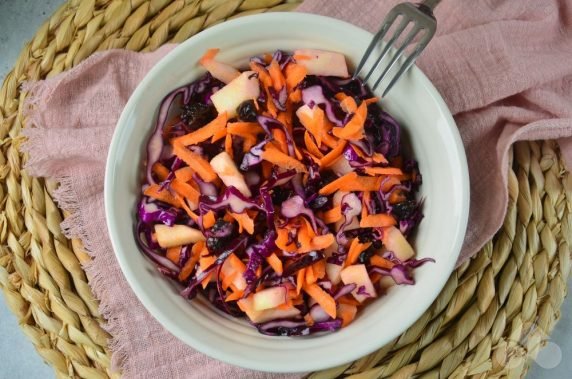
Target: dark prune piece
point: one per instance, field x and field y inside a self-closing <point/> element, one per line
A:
<point x="247" y="111"/>
<point x="196" y="115"/>
<point x="279" y="195"/>
<point x="404" y="210"/>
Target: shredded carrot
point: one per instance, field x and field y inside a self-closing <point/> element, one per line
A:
<point x="275" y="156"/>
<point x="209" y="130"/>
<point x="198" y="163"/>
<point x="236" y="295"/>
<point x="389" y="182"/>
<point x="301" y="57"/>
<point x="184" y="174"/>
<point x="209" y="219"/>
<point x="278" y="80"/>
<point x="311" y="146"/>
<point x="295" y="96"/>
<point x="164" y="195"/>
<point x="204" y="262"/>
<point x="275" y="263"/>
<point x="300" y="277"/>
<point x="173" y="254"/>
<point x="310" y="277"/>
<point x="383" y="171"/>
<point x="377" y="221"/>
<point x="244" y="129"/>
<point x="227" y="280"/>
<point x="185" y="190"/>
<point x="347" y="103"/>
<point x="348" y="300"/>
<point x="326" y="301"/>
<point x="244" y="222"/>
<point x="354" y="129"/>
<point x="352" y="182"/>
<point x="397" y="197"/>
<point x="333" y="155"/>
<point x="189" y="266"/>
<point x="332" y="215"/>
<point x="319" y="269"/>
<point x="356" y="248"/>
<point x="379" y="158"/>
<point x="228" y="145"/>
<point x="280" y="140"/>
<point x="208" y="55"/>
<point x="308" y="319"/>
<point x="282" y="240"/>
<point x="295" y="73"/>
<point x="371" y="100"/>
<point x="378" y="261"/>
<point x="161" y="171"/>
<point x="347" y="313"/>
<point x="364" y="201"/>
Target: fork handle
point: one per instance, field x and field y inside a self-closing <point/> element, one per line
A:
<point x="431" y="4"/>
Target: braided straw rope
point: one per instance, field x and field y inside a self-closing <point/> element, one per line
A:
<point x="495" y="312"/>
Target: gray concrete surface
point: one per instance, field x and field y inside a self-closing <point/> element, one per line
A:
<point x="19" y="19"/>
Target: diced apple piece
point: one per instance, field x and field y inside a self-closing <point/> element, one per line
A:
<point x="228" y="98"/>
<point x="269" y="298"/>
<point x="227" y="171"/>
<point x="333" y="271"/>
<point x="357" y="274"/>
<point x="321" y="62"/>
<point x="341" y="166"/>
<point x="176" y="235"/>
<point x="247" y="306"/>
<point x="396" y="242"/>
<point x="221" y="71"/>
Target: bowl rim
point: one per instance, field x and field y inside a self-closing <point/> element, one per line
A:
<point x="147" y="300"/>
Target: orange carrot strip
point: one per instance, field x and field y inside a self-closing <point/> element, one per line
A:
<point x="310" y="277"/>
<point x="204" y="262"/>
<point x="236" y="295"/>
<point x="278" y="80"/>
<point x="356" y="248"/>
<point x="381" y="220"/>
<point x="323" y="241"/>
<point x="348" y="300"/>
<point x="300" y="277"/>
<point x="275" y="156"/>
<point x="163" y="195"/>
<point x="161" y="171"/>
<point x="352" y="182"/>
<point x="332" y="215"/>
<point x="280" y="140"/>
<point x="333" y="155"/>
<point x="244" y="222"/>
<point x="183" y="204"/>
<point x="275" y="263"/>
<point x="387" y="184"/>
<point x="354" y="128"/>
<point x="212" y="128"/>
<point x="184" y="174"/>
<point x="347" y="313"/>
<point x="189" y="266"/>
<point x="282" y="240"/>
<point x="195" y="161"/>
<point x="365" y="199"/>
<point x="295" y="96"/>
<point x="209" y="219"/>
<point x="397" y="197"/>
<point x="379" y="158"/>
<point x="311" y="146"/>
<point x="227" y="280"/>
<point x="208" y="55"/>
<point x="301" y="57"/>
<point x="228" y="145"/>
<point x="295" y="73"/>
<point x="173" y="254"/>
<point x="326" y="301"/>
<point x="218" y="135"/>
<point x="378" y="261"/>
<point x="383" y="171"/>
<point x="263" y="75"/>
<point x="308" y="319"/>
<point x="371" y="100"/>
<point x="319" y="269"/>
<point x="347" y="103"/>
<point x="314" y="123"/>
<point x="244" y="129"/>
<point x="185" y="190"/>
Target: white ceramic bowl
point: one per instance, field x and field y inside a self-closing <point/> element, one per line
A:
<point x="434" y="140"/>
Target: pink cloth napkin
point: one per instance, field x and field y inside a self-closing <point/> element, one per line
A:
<point x="503" y="68"/>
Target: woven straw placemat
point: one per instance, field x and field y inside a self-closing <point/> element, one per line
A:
<point x="491" y="318"/>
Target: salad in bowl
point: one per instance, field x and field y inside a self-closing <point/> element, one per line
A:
<point x="281" y="192"/>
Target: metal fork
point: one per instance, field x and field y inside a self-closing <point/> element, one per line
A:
<point x="422" y="19"/>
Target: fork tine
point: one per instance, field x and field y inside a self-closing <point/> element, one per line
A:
<point x="378" y="36"/>
<point x="397" y="55"/>
<point x="388" y="45"/>
<point x="403" y="69"/>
